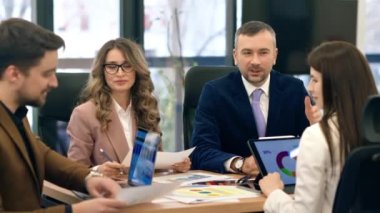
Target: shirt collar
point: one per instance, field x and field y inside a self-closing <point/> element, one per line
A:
<point x="20" y="112"/>
<point x="250" y="88"/>
<point x="119" y="109"/>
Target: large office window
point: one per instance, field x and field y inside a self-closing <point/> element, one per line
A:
<point x="16" y="9"/>
<point x="86" y="25"/>
<point x="178" y="35"/>
<point x="372" y="36"/>
<point x="185" y="28"/>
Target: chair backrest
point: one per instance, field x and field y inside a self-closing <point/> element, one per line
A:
<point x="359" y="183"/>
<point x="371" y="120"/>
<point x="54" y="115"/>
<point x="195" y="78"/>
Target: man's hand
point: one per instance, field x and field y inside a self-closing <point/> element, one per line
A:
<point x="102" y="187"/>
<point x="250" y="166"/>
<point x="270" y="183"/>
<point x="313" y="113"/>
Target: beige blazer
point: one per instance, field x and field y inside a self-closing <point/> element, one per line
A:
<point x="20" y="181"/>
<point x="87" y="137"/>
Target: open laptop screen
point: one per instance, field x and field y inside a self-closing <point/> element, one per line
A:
<point x="273" y="155"/>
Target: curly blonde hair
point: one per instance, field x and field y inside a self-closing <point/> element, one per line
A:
<point x="144" y="104"/>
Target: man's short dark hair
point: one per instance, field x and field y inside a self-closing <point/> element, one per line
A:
<point x="23" y="43"/>
<point x="251" y="28"/>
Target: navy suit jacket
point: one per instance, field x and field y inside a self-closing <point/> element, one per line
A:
<point x="224" y="120"/>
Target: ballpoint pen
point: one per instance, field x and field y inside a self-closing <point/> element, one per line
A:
<point x="104" y="153"/>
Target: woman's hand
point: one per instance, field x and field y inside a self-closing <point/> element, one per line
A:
<point x="183" y="166"/>
<point x="313" y="113"/>
<point x="270" y="183"/>
<point x="111" y="169"/>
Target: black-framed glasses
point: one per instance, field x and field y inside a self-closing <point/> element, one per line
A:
<point x="114" y="68"/>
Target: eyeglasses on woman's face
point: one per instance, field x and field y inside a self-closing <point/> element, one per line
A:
<point x="112" y="69"/>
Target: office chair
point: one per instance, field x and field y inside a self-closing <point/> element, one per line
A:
<point x="359" y="184"/>
<point x="371" y="120"/>
<point x="54" y="115"/>
<point x="195" y="78"/>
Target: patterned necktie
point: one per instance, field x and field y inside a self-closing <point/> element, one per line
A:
<point x="259" y="116"/>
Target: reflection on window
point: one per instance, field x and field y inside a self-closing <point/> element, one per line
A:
<point x="86" y="25"/>
<point x="372" y="34"/>
<point x="186" y="28"/>
<point x="178" y="34"/>
<point x="16" y="9"/>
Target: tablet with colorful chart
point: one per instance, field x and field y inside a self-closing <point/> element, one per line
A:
<point x="273" y="155"/>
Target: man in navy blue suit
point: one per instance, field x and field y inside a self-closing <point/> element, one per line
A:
<point x="224" y="120"/>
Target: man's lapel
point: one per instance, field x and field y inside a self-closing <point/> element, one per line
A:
<point x="16" y="138"/>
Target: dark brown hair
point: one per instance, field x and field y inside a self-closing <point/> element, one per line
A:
<point x="347" y="82"/>
<point x="251" y="28"/>
<point x="23" y="44"/>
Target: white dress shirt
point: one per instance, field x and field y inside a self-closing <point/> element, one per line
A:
<point x="264" y="99"/>
<point x="125" y="117"/>
<point x="264" y="106"/>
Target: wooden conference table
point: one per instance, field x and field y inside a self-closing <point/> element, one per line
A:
<point x="242" y="205"/>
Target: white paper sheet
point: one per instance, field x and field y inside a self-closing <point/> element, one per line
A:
<point x="164" y="160"/>
<point x="143" y="194"/>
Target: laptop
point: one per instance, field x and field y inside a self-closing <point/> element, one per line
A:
<point x="277" y="155"/>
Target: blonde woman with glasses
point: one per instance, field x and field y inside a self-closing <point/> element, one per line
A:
<point x="116" y="101"/>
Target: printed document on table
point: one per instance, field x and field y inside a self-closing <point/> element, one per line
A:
<point x="202" y="194"/>
<point x="189" y="178"/>
<point x="164" y="160"/>
<point x="144" y="194"/>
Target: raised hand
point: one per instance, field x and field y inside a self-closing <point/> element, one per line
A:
<point x="313" y="113"/>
